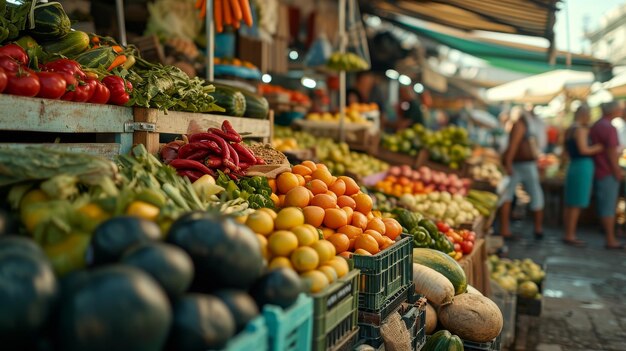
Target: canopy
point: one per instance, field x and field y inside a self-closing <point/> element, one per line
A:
<point x="527" y="17"/>
<point x="617" y="85"/>
<point x="542" y="88"/>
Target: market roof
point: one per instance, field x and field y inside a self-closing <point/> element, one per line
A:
<point x="526" y="17"/>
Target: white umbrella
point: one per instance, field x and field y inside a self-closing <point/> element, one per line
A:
<point x="542" y="88"/>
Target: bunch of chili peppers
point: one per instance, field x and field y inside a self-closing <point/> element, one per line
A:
<point x="204" y="153"/>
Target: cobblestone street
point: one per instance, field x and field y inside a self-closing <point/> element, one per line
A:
<point x="584" y="305"/>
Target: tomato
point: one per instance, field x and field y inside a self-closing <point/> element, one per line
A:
<point x="15" y="52"/>
<point x="24" y="82"/>
<point x="467" y="247"/>
<point x="101" y="94"/>
<point x="9" y="64"/>
<point x="443" y="227"/>
<point x="471" y="236"/>
<point x="84" y="91"/>
<point x="3" y="80"/>
<point x="65" y="65"/>
<point x="457" y="247"/>
<point x="52" y="85"/>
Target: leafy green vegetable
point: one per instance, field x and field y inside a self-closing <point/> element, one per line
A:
<point x="14" y="18"/>
<point x="255" y="190"/>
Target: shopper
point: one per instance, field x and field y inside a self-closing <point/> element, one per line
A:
<point x="579" y="179"/>
<point x="607" y="174"/>
<point x="520" y="162"/>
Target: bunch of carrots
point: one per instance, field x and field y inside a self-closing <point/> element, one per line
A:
<point x="227" y="12"/>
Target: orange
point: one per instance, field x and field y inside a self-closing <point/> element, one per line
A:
<point x="301" y="180"/>
<point x="281" y="200"/>
<point x="387" y="242"/>
<point x="351" y="247"/>
<point x="325" y="250"/>
<point x="362" y="252"/>
<point x="323" y="175"/>
<point x="316" y="281"/>
<point x="272" y="183"/>
<point x="346" y="254"/>
<point x="321" y="166"/>
<point x="298" y="197"/>
<point x="263" y="243"/>
<point x="324" y="201"/>
<point x="301" y="170"/>
<point x="279" y="262"/>
<point x="307" y="178"/>
<point x="310" y="165"/>
<point x="392" y="228"/>
<point x="313" y="215"/>
<point x="335" y="218"/>
<point x="330" y="273"/>
<point x="349" y="212"/>
<point x="275" y="199"/>
<point x="377" y="214"/>
<point x="317" y="186"/>
<point x="269" y="211"/>
<point x="376" y="235"/>
<point x="363" y="203"/>
<point x="304" y="259"/>
<point x="346" y="201"/>
<point x="340" y="265"/>
<point x="286" y="181"/>
<point x="338" y="187"/>
<point x="331" y="194"/>
<point x="289" y="217"/>
<point x="340" y="241"/>
<point x="306" y="235"/>
<point x="351" y="186"/>
<point x="377" y="225"/>
<point x="359" y="220"/>
<point x="327" y="232"/>
<point x="260" y="222"/>
<point x="367" y="243"/>
<point x="369" y="216"/>
<point x="282" y="243"/>
<point x="351" y="231"/>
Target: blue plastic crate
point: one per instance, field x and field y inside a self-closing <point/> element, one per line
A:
<point x="253" y="337"/>
<point x="290" y="329"/>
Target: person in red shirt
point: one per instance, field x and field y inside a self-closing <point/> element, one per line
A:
<point x="607" y="174"/>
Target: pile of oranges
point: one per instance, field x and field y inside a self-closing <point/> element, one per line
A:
<point x="337" y="206"/>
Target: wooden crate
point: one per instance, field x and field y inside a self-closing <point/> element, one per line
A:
<point x="153" y="123"/>
<point x="82" y="127"/>
<point x="398" y="159"/>
<point x="359" y="137"/>
<point x="475" y="267"/>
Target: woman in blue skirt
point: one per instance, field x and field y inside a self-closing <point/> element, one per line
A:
<point x="579" y="179"/>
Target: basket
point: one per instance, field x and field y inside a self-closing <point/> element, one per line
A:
<point x="290" y="329"/>
<point x="335" y="313"/>
<point x="253" y="337"/>
<point x="384" y="274"/>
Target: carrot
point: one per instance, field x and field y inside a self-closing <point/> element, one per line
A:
<point x="203" y="10"/>
<point x="245" y="11"/>
<point x="218" y="15"/>
<point x="95" y="40"/>
<point x="199" y="3"/>
<point x="228" y="16"/>
<point x="118" y="49"/>
<point x="234" y="5"/>
<point x="119" y="60"/>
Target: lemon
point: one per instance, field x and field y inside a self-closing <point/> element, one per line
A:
<point x="269" y="211"/>
<point x="288" y="218"/>
<point x="260" y="222"/>
<point x="282" y="243"/>
<point x="325" y="250"/>
<point x="306" y="236"/>
<point x="263" y="243"/>
<point x="340" y="265"/>
<point x="315" y="280"/>
<point x="304" y="259"/>
<point x="279" y="262"/>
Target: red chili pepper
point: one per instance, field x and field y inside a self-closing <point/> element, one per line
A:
<point x="244" y="165"/>
<point x="199" y="137"/>
<point x="260" y="161"/>
<point x="169" y="151"/>
<point x="190" y="164"/>
<point x="213" y="161"/>
<point x="224" y="135"/>
<point x="118" y="88"/>
<point x="206" y="146"/>
<point x="245" y="154"/>
<point x="198" y="155"/>
<point x="233" y="154"/>
<point x="16" y="52"/>
<point x="65" y="65"/>
<point x="223" y="145"/>
<point x="228" y="129"/>
<point x="192" y="175"/>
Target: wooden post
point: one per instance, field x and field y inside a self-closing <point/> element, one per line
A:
<point x="149" y="139"/>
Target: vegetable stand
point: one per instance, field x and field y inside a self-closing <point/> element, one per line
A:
<point x="475" y="267"/>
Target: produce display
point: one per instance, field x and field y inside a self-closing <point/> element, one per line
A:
<point x="451" y="209"/>
<point x="449" y="146"/>
<point x="484" y="202"/>
<point x="424" y="231"/>
<point x="463" y="239"/>
<point x="348" y="62"/>
<point x="351" y="116"/>
<point x="229" y="61"/>
<point x="269" y="90"/>
<point x="227" y="13"/>
<point x="404" y="180"/>
<point x="488" y="172"/>
<point x="362" y="107"/>
<point x="517" y="276"/>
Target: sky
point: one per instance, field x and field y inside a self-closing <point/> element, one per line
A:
<point x="578" y="9"/>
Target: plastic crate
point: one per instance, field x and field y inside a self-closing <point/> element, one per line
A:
<point x="253" y="337"/>
<point x="335" y="312"/>
<point x="391" y="306"/>
<point x="414" y="318"/>
<point x="493" y="345"/>
<point x="290" y="329"/>
<point x="384" y="274"/>
<point x="507" y="302"/>
<point x="528" y="307"/>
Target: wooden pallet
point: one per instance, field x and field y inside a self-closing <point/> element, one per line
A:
<point x="152" y="123"/>
<point x="82" y="127"/>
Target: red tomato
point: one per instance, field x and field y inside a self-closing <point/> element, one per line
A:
<point x="52" y="85"/>
<point x="467" y="247"/>
<point x="3" y="80"/>
<point x="84" y="91"/>
<point x="457" y="247"/>
<point x="471" y="236"/>
<point x="9" y="64"/>
<point x="65" y="65"/>
<point x="101" y="94"/>
<point x="15" y="52"/>
<point x="24" y="82"/>
<point x="443" y="227"/>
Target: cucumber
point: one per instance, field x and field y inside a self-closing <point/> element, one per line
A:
<point x="230" y="99"/>
<point x="51" y="22"/>
<point x="443" y="264"/>
<point x="72" y="44"/>
<point x="256" y="105"/>
<point x="94" y="58"/>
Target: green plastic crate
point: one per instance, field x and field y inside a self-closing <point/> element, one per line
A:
<point x="290" y="329"/>
<point x="384" y="274"/>
<point x="335" y="312"/>
<point x="413" y="316"/>
<point x="253" y="337"/>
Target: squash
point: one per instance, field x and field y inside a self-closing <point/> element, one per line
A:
<point x="51" y="22"/>
<point x="256" y="105"/>
<point x="443" y="340"/>
<point x="472" y="317"/>
<point x="443" y="264"/>
<point x="431" y="319"/>
<point x="432" y="284"/>
<point x="473" y="290"/>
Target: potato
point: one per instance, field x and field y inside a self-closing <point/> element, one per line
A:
<point x="472" y="317"/>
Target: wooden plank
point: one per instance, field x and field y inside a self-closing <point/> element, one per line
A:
<point x="148" y="139"/>
<point x="106" y="150"/>
<point x="45" y="115"/>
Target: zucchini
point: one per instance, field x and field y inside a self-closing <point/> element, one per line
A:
<point x="443" y="264"/>
<point x="230" y="99"/>
<point x="256" y="106"/>
<point x="51" y="22"/>
<point x="72" y="44"/>
<point x="94" y="58"/>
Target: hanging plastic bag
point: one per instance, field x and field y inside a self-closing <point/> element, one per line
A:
<point x="356" y="56"/>
<point x="320" y="52"/>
